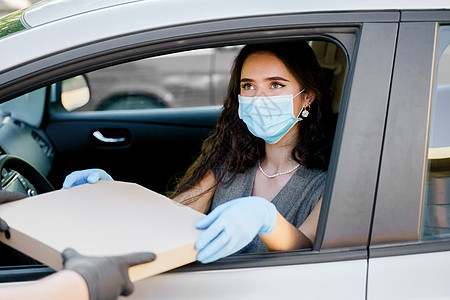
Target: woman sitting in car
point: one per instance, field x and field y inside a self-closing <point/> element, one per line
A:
<point x="261" y="175"/>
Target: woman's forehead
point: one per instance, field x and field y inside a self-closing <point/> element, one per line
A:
<point x="263" y="66"/>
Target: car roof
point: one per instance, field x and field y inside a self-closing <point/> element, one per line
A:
<point x="52" y="10"/>
<point x="58" y="25"/>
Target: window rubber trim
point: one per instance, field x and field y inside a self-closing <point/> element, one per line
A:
<point x="421" y="247"/>
<point x="277" y="259"/>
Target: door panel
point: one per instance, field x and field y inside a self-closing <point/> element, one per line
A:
<point x="418" y="276"/>
<point x="401" y="182"/>
<point x="334" y="280"/>
<point x="354" y="167"/>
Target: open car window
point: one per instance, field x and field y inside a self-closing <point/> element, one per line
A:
<point x="186" y="79"/>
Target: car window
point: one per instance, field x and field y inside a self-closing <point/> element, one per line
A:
<point x="184" y="79"/>
<point x="202" y="82"/>
<point x="436" y="217"/>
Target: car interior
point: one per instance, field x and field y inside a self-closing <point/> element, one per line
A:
<point x="142" y="121"/>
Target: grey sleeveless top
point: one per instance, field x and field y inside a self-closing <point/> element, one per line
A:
<point x="295" y="201"/>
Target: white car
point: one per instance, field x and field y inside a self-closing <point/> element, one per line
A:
<point x="384" y="229"/>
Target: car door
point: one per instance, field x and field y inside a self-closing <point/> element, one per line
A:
<point x="409" y="256"/>
<point x="336" y="267"/>
<point x="339" y="258"/>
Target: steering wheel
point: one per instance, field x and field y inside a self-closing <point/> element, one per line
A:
<point x="19" y="176"/>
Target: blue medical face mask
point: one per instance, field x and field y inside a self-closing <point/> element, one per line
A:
<point x="268" y="117"/>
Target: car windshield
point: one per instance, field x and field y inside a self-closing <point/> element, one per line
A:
<point x="11" y="23"/>
<point x="28" y="108"/>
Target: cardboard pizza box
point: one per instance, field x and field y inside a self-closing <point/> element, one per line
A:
<point x="102" y="219"/>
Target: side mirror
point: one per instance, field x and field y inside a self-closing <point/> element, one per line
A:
<point x="75" y="92"/>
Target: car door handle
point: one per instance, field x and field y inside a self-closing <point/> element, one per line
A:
<point x="100" y="137"/>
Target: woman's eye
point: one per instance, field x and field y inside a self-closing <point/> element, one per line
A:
<point x="277" y="85"/>
<point x="246" y="86"/>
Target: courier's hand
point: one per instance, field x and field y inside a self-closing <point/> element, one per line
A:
<point x="106" y="277"/>
<point x="85" y="176"/>
<point x="3" y="225"/>
<point x="232" y="225"/>
<point x="7" y="196"/>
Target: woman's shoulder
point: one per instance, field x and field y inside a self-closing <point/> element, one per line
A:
<point x="310" y="180"/>
<point x="310" y="174"/>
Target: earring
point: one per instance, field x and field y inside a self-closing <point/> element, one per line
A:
<point x="304" y="112"/>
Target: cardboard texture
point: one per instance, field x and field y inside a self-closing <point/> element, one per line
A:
<point x="102" y="219"/>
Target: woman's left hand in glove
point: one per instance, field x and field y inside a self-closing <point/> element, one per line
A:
<point x="232" y="225"/>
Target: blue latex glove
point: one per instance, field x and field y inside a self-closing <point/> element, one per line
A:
<point x="232" y="225"/>
<point x="85" y="176"/>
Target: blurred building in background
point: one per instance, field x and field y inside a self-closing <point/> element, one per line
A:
<point x="8" y="6"/>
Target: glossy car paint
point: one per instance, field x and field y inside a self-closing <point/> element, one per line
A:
<point x="415" y="276"/>
<point x="113" y="19"/>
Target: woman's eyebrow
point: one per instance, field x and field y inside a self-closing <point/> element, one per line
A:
<point x="277" y="78"/>
<point x="267" y="79"/>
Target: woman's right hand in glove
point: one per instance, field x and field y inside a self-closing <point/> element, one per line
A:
<point x="85" y="176"/>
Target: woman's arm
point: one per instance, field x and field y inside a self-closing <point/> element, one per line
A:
<point x="204" y="190"/>
<point x="65" y="284"/>
<point x="285" y="236"/>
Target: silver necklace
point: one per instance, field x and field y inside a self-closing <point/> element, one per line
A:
<point x="277" y="174"/>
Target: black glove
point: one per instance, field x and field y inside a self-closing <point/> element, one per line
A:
<point x="7" y="196"/>
<point x="106" y="277"/>
<point x="3" y="225"/>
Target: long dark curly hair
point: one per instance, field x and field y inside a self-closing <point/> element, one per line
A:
<point x="233" y="149"/>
